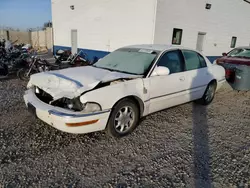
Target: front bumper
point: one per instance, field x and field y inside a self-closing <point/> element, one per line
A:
<point x="59" y="117"/>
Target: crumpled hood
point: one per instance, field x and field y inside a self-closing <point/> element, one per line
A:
<point x="72" y="82"/>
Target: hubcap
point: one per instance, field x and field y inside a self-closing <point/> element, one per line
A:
<point x="124" y="119"/>
<point x="210" y="93"/>
<point x="26" y="74"/>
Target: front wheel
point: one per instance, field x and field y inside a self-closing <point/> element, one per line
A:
<point x="209" y="94"/>
<point x="123" y="119"/>
<point x="23" y="74"/>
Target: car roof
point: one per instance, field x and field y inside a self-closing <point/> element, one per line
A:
<point x="246" y="47"/>
<point x="157" y="47"/>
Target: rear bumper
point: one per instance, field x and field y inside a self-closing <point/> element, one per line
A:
<point x="220" y="83"/>
<point x="59" y="118"/>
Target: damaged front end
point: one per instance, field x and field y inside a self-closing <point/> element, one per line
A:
<point x="64" y="88"/>
<point x="75" y="103"/>
<point x="66" y="103"/>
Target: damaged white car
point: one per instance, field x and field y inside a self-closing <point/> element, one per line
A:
<point x="124" y="86"/>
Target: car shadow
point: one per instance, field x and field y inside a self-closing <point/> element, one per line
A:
<point x="9" y="77"/>
<point x="200" y="138"/>
<point x="201" y="150"/>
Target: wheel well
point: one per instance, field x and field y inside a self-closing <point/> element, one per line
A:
<point x="213" y="81"/>
<point x="137" y="101"/>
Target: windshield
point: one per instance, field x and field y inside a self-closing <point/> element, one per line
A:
<point x="240" y="52"/>
<point x="131" y="61"/>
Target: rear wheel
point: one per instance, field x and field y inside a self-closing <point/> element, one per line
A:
<point x="4" y="70"/>
<point x="123" y="119"/>
<point x="209" y="94"/>
<point x="23" y="74"/>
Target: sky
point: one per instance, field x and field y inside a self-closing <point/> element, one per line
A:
<point x="24" y="14"/>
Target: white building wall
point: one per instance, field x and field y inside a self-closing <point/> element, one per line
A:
<point x="104" y="24"/>
<point x="225" y="19"/>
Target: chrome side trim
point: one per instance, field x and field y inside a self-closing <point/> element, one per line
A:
<point x="62" y="114"/>
<point x="223" y="80"/>
<point x="160" y="96"/>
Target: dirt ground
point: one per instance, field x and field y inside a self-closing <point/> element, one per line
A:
<point x="185" y="146"/>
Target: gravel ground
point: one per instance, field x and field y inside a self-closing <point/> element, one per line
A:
<point x="185" y="146"/>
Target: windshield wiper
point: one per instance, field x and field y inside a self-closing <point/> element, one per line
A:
<point x="242" y="57"/>
<point x="113" y="70"/>
<point x="245" y="57"/>
<point x="126" y="72"/>
<point x="103" y="68"/>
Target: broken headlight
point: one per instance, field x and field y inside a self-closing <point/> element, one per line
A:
<point x="91" y="107"/>
<point x="88" y="107"/>
<point x="76" y="105"/>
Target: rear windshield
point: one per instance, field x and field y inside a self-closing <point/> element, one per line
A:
<point x="240" y="52"/>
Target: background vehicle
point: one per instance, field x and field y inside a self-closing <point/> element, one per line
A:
<point x="237" y="56"/>
<point x="63" y="57"/>
<point x="41" y="65"/>
<point x="135" y="80"/>
<point x="12" y="62"/>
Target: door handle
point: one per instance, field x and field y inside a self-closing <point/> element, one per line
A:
<point x="182" y="78"/>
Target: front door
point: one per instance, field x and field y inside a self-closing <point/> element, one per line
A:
<point x="200" y="41"/>
<point x="169" y="90"/>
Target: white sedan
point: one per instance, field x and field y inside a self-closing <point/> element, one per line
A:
<point x="124" y="86"/>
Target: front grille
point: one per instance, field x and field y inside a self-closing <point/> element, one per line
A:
<point x="47" y="98"/>
<point x="62" y="103"/>
<point x="43" y="96"/>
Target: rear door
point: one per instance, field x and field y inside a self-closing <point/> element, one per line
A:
<point x="197" y="72"/>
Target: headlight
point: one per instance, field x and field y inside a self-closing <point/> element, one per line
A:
<point x="76" y="105"/>
<point x="91" y="107"/>
<point x="37" y="90"/>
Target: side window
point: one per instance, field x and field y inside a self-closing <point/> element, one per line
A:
<point x="202" y="61"/>
<point x="193" y="60"/>
<point x="172" y="60"/>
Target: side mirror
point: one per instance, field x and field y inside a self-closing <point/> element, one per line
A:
<point x="161" y="71"/>
<point x="224" y="54"/>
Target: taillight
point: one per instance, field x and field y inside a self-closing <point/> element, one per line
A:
<point x="218" y="62"/>
<point x="228" y="73"/>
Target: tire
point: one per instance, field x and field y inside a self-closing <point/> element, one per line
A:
<point x="121" y="123"/>
<point x="22" y="74"/>
<point x="209" y="94"/>
<point x="4" y="70"/>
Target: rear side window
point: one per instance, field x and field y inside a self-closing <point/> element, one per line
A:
<point x="202" y="61"/>
<point x="193" y="60"/>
